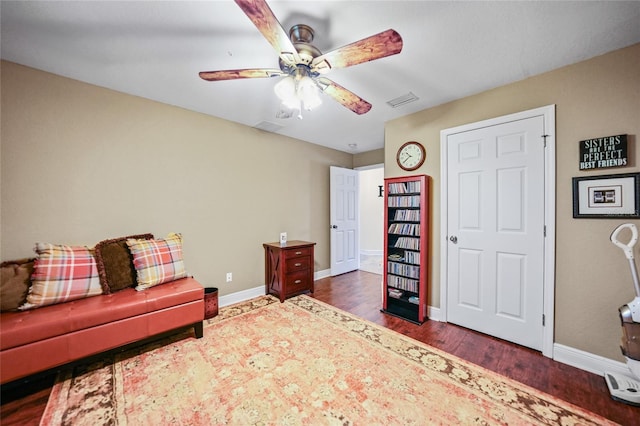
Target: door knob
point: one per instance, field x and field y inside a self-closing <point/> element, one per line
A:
<point x="334" y="226"/>
<point x="453" y="239"/>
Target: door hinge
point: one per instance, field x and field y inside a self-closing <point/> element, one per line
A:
<point x="543" y="320"/>
<point x="544" y="138"/>
<point x="544" y="230"/>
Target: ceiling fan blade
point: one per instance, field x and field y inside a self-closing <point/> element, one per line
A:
<point x="263" y="18"/>
<point x="346" y="97"/>
<point x="377" y="46"/>
<point x="237" y="74"/>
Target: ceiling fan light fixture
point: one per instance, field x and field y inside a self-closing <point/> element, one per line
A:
<point x="285" y="89"/>
<point x="298" y="92"/>
<point x="308" y="93"/>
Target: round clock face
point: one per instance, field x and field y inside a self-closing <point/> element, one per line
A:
<point x="411" y="155"/>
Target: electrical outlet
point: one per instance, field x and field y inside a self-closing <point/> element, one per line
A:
<point x="229" y="277"/>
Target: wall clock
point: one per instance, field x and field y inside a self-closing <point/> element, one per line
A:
<point x="411" y="155"/>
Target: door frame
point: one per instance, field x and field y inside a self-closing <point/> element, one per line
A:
<point x="362" y="169"/>
<point x="548" y="113"/>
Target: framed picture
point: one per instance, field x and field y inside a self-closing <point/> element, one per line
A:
<point x="609" y="196"/>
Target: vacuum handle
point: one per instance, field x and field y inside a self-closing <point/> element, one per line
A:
<point x="627" y="248"/>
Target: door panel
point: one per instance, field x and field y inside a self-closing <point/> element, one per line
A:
<point x="469" y="290"/>
<point x="469" y="206"/>
<point x="510" y="285"/>
<point x="495" y="210"/>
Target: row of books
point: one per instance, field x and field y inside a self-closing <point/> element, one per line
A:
<point x="405" y="229"/>
<point x="408" y="243"/>
<point x="407" y="215"/>
<point x="403" y="269"/>
<point x="412" y="257"/>
<point x="404" y="188"/>
<point x="407" y="284"/>
<point x="404" y="201"/>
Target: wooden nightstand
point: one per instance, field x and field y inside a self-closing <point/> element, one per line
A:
<point x="288" y="269"/>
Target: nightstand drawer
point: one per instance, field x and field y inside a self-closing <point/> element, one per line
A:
<point x="297" y="281"/>
<point x="298" y="252"/>
<point x="297" y="264"/>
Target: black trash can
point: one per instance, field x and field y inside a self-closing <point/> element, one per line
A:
<point x="210" y="302"/>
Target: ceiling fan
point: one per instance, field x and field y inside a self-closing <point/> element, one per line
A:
<point x="303" y="66"/>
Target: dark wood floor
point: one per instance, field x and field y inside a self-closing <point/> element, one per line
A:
<point x="360" y="293"/>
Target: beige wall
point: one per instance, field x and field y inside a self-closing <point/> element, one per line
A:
<point x="598" y="97"/>
<point x="81" y="164"/>
<point x="368" y="158"/>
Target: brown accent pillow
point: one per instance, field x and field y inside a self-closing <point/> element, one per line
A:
<point x="115" y="263"/>
<point x="15" y="279"/>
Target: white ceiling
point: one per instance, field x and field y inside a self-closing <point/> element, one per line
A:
<point x="451" y="50"/>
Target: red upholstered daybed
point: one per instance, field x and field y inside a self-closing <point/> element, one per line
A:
<point x="71" y="301"/>
<point x="36" y="340"/>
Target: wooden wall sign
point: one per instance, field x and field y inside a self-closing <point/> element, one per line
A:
<point x="601" y="153"/>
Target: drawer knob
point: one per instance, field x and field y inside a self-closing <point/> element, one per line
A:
<point x="298" y="253"/>
<point x="297" y="281"/>
<point x="298" y="264"/>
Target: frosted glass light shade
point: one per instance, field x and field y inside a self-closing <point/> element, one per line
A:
<point x="308" y="93"/>
<point x="286" y="91"/>
<point x="297" y="92"/>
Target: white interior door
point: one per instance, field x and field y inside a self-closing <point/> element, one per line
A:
<point x="495" y="230"/>
<point x="344" y="219"/>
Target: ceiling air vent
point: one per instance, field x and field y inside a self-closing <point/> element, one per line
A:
<point x="402" y="100"/>
<point x="268" y="127"/>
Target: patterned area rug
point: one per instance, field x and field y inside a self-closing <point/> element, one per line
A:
<point x="301" y="362"/>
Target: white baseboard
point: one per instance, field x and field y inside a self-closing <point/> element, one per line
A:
<point x="240" y="296"/>
<point x="371" y="252"/>
<point x="433" y="313"/>
<point x="321" y="274"/>
<point x="587" y="361"/>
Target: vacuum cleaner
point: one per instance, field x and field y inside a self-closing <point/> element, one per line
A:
<point x="626" y="388"/>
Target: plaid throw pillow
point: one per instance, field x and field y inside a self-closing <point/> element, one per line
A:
<point x="61" y="274"/>
<point x="157" y="261"/>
